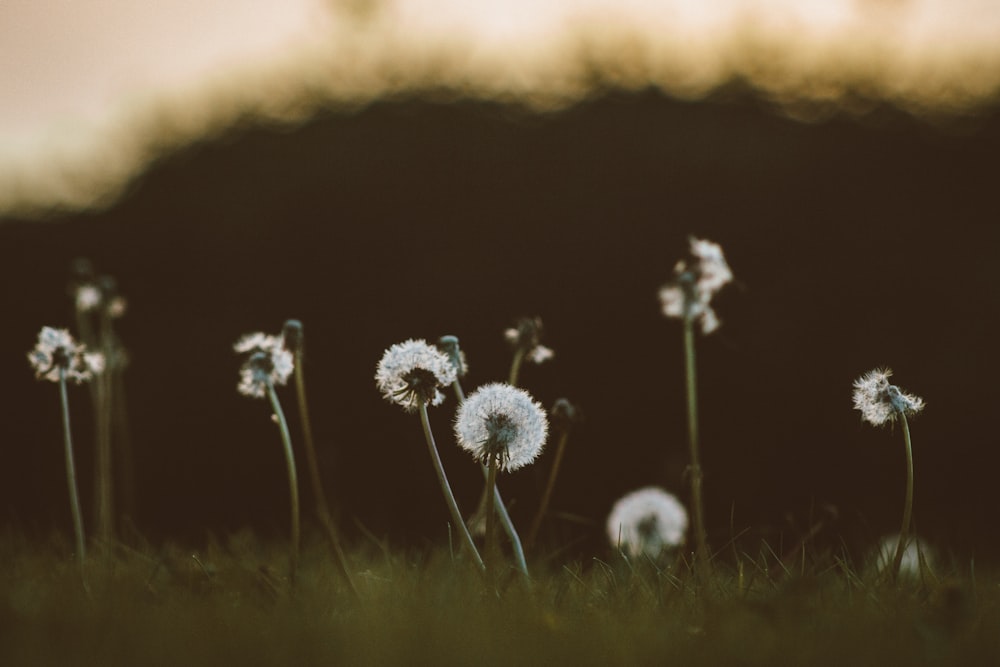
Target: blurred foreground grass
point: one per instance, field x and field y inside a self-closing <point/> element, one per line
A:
<point x="230" y="604"/>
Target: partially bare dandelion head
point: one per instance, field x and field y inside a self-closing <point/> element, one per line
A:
<point x="293" y="336"/>
<point x="564" y="415"/>
<point x="269" y="362"/>
<point x="502" y="423"/>
<point x="696" y="281"/>
<point x="526" y="335"/>
<point x="450" y="346"/>
<point x="411" y="373"/>
<point x="647" y="522"/>
<point x="881" y="402"/>
<point x="56" y="353"/>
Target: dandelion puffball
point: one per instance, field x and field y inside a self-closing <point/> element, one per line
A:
<point x="881" y="402"/>
<point x="502" y="422"/>
<point x="412" y="372"/>
<point x="690" y="295"/>
<point x="56" y="350"/>
<point x="647" y="521"/>
<point x="269" y="362"/>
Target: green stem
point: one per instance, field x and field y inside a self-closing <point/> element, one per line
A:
<point x="515" y="366"/>
<point x="293" y="482"/>
<point x="701" y="539"/>
<point x="904" y="532"/>
<point x="103" y="468"/>
<point x="543" y="506"/>
<point x="322" y="508"/>
<point x="491" y="517"/>
<point x="456" y="515"/>
<point x="74" y="497"/>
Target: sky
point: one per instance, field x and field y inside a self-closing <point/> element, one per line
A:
<point x="105" y="82"/>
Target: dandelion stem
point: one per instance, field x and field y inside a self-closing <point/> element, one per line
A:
<point x="491" y="517"/>
<point x="515" y="366"/>
<point x="543" y="506"/>
<point x="456" y="515"/>
<point x="74" y="497"/>
<point x="293" y="482"/>
<point x="103" y="465"/>
<point x="701" y="540"/>
<point x="904" y="532"/>
<point x="322" y="508"/>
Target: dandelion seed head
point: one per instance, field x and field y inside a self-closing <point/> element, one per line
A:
<point x="647" y="522"/>
<point x="881" y="402"/>
<point x="499" y="421"/>
<point x="56" y="350"/>
<point x="268" y="362"/>
<point x="696" y="282"/>
<point x="412" y="372"/>
<point x="88" y="298"/>
<point x="884" y="554"/>
<point x="450" y="346"/>
<point x="526" y="336"/>
<point x="564" y="415"/>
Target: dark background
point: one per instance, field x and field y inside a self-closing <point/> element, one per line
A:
<point x="856" y="243"/>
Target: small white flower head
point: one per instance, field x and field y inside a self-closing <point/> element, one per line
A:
<point x="697" y="281"/>
<point x="268" y="362"/>
<point x="88" y="297"/>
<point x="56" y="350"/>
<point x="449" y="345"/>
<point x="915" y="549"/>
<point x="412" y="372"/>
<point x="501" y="422"/>
<point x="881" y="402"/>
<point x="526" y="335"/>
<point x="648" y="521"/>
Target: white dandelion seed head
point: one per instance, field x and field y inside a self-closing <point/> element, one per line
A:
<point x="268" y="362"/>
<point x="412" y="372"/>
<point x="526" y="336"/>
<point x="884" y="554"/>
<point x="690" y="295"/>
<point x="647" y="521"/>
<point x="88" y="297"/>
<point x="881" y="402"/>
<point x="502" y="421"/>
<point x="117" y="307"/>
<point x="56" y="350"/>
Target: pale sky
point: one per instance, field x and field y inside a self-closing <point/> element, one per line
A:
<point x="79" y="76"/>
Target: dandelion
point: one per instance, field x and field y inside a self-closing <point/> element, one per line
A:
<point x="697" y="281"/>
<point x="505" y="429"/>
<point x="525" y="337"/>
<point x="270" y="364"/>
<point x="915" y="552"/>
<point x="411" y="374"/>
<point x="57" y="357"/>
<point x="689" y="298"/>
<point x="881" y="402"/>
<point x="647" y="522"/>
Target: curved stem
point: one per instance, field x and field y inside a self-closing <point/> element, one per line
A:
<point x="543" y="506"/>
<point x="322" y="508"/>
<point x="904" y="532"/>
<point x="293" y="482"/>
<point x="74" y="497"/>
<point x="515" y="366"/>
<point x="701" y="539"/>
<point x="456" y="515"/>
<point x="491" y="517"/>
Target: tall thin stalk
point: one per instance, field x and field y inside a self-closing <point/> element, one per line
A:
<point x="904" y="531"/>
<point x="543" y="506"/>
<point x="701" y="540"/>
<point x="74" y="496"/>
<point x="456" y="514"/>
<point x="293" y="482"/>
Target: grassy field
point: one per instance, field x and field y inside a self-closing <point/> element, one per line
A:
<point x="231" y="603"/>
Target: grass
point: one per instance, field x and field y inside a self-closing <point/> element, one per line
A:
<point x="230" y="602"/>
